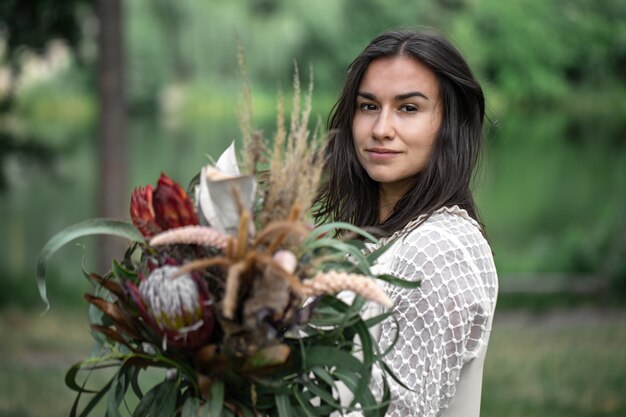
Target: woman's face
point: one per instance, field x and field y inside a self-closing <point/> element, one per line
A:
<point x="398" y="115"/>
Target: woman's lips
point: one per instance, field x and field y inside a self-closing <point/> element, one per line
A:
<point x="380" y="153"/>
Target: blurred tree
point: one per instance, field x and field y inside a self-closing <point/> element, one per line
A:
<point x="537" y="52"/>
<point x="28" y="26"/>
<point x="112" y="142"/>
<point x="172" y="17"/>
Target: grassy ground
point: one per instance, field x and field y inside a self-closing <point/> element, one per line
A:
<point x="565" y="363"/>
<point x="569" y="363"/>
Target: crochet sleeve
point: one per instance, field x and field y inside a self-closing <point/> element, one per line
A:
<point x="444" y="323"/>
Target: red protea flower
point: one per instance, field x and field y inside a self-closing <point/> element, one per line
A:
<point x="172" y="206"/>
<point x="176" y="307"/>
<point x="167" y="207"/>
<point x="142" y="211"/>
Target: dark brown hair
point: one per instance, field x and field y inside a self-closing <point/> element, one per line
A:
<point x="347" y="193"/>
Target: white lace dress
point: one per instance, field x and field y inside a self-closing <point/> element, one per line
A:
<point x="444" y="324"/>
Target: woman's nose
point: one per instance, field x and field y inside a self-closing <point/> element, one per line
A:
<point x="383" y="129"/>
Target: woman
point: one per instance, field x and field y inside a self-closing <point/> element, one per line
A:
<point x="405" y="137"/>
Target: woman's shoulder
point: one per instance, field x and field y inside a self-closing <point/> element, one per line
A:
<point x="447" y="221"/>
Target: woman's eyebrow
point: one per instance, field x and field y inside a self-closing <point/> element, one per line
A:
<point x="368" y="96"/>
<point x="411" y="94"/>
<point x="404" y="96"/>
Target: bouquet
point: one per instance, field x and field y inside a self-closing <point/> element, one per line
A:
<point x="230" y="291"/>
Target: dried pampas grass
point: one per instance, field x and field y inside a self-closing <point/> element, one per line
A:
<point x="295" y="161"/>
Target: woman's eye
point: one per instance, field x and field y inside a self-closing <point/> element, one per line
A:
<point x="408" y="108"/>
<point x="367" y="107"/>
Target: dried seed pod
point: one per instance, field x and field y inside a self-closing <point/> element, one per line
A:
<point x="199" y="235"/>
<point x="333" y="282"/>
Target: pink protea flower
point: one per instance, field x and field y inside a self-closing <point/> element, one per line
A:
<point x="177" y="307"/>
<point x="167" y="207"/>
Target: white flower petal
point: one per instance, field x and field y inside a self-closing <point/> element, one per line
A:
<point x="227" y="162"/>
<point x="217" y="203"/>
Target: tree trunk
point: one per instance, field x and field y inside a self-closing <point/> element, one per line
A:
<point x="112" y="149"/>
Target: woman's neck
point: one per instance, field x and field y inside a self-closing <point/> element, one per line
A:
<point x="388" y="196"/>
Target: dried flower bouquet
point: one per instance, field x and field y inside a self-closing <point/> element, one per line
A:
<point x="231" y="291"/>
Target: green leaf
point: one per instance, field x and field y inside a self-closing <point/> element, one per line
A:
<point x="93" y="402"/>
<point x="134" y="382"/>
<point x="393" y="376"/>
<point x="399" y="282"/>
<point x="323" y="394"/>
<point x="377" y="253"/>
<point x="349" y="378"/>
<point x="116" y="395"/>
<point x="123" y="273"/>
<point x="217" y="398"/>
<point x="373" y="321"/>
<point x="283" y="406"/>
<point x="305" y="405"/>
<point x="70" y="379"/>
<point x="332" y="311"/>
<point x="191" y="407"/>
<point x="327" y="356"/>
<point x="366" y="399"/>
<point x="159" y="401"/>
<point x="144" y="406"/>
<point x="323" y="375"/>
<point x="86" y="228"/>
<point x="361" y="262"/>
<point x="328" y="227"/>
<point x="367" y="349"/>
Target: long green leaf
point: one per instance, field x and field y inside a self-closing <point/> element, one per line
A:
<point x="191" y="407"/>
<point x="393" y="376"/>
<point x="367" y="349"/>
<point x="217" y="398"/>
<point x="323" y="375"/>
<point x="159" y="401"/>
<point x="305" y="405"/>
<point x="377" y="253"/>
<point x="373" y="321"/>
<point x="93" y="402"/>
<point x="117" y="393"/>
<point x="144" y="406"/>
<point x="86" y="228"/>
<point x="399" y="282"/>
<point x="361" y="261"/>
<point x="283" y="406"/>
<point x="70" y="379"/>
<point x="330" y="356"/>
<point x="324" y="395"/>
<point x="321" y="230"/>
<point x="134" y="382"/>
<point x="122" y="272"/>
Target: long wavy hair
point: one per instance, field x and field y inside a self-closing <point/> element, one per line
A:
<point x="347" y="193"/>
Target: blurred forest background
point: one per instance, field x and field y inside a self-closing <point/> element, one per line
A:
<point x="97" y="97"/>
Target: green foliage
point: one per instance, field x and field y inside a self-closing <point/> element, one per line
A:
<point x="31" y="24"/>
<point x="537" y="51"/>
<point x="58" y="113"/>
<point x="320" y="358"/>
<point x="85" y="228"/>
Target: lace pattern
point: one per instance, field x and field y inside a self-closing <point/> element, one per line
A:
<point x="444" y="323"/>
